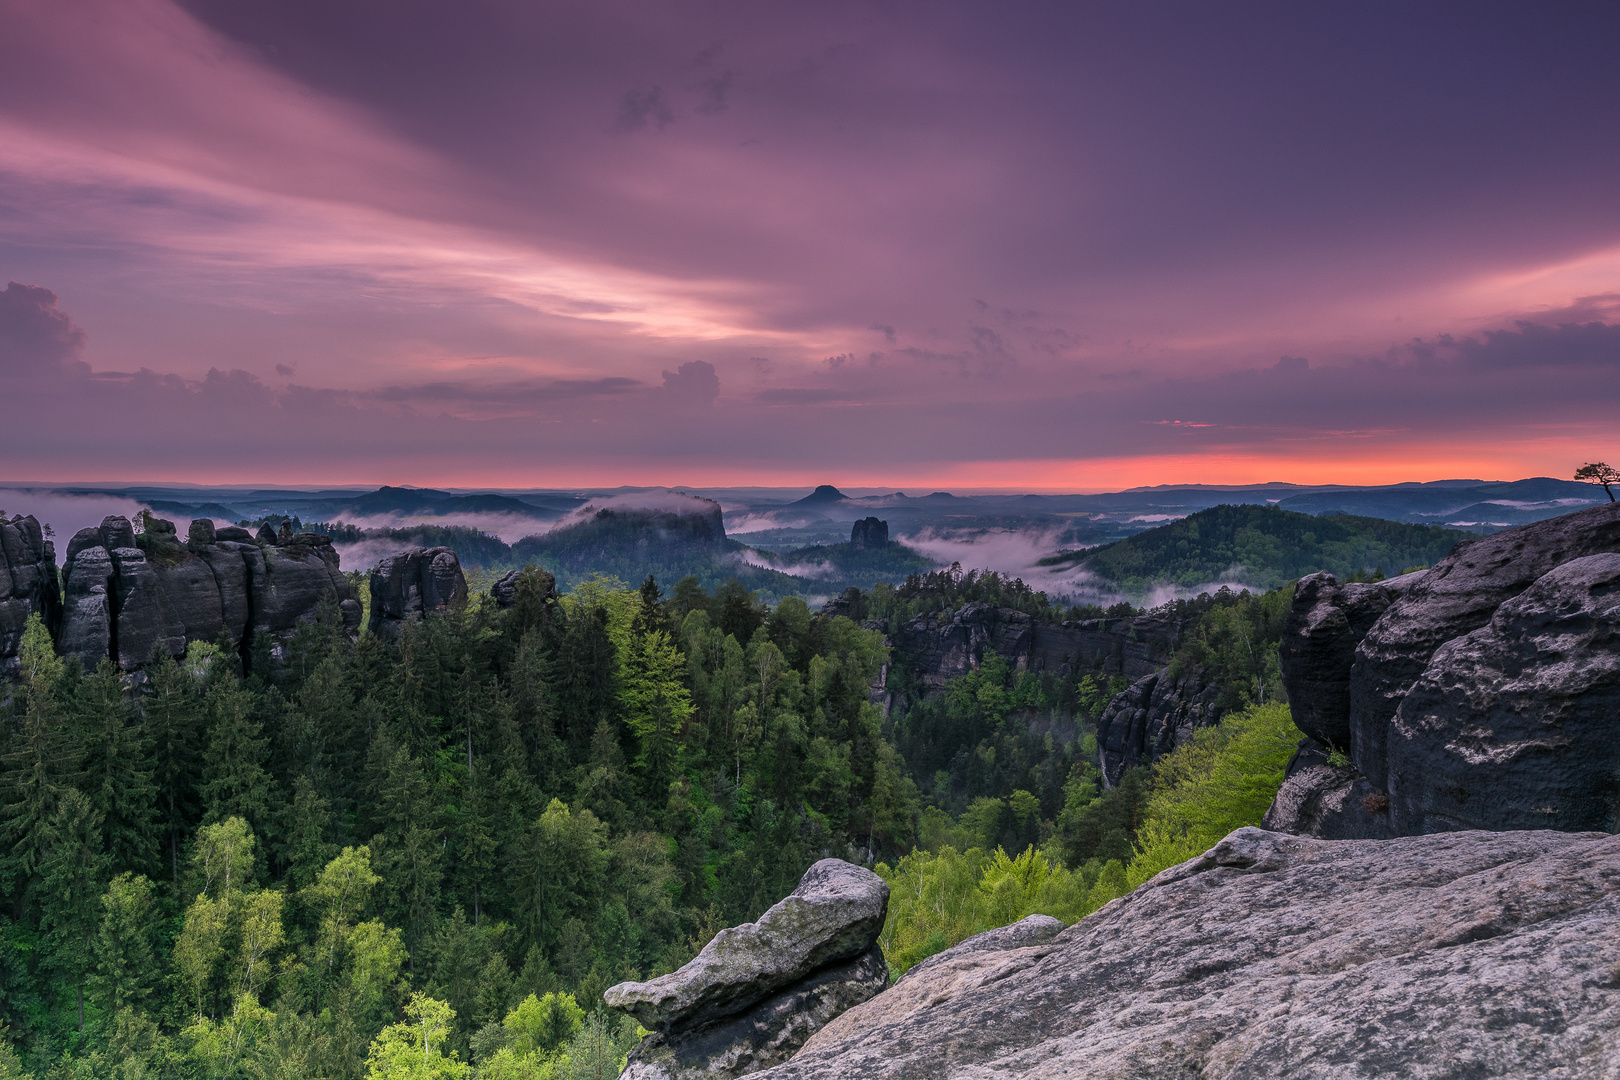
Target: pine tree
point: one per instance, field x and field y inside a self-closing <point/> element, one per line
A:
<point x="37" y="765"/>
<point x="116" y="770"/>
<point x="71" y="883"/>
<point x="234" y="780"/>
<point x="172" y="706"/>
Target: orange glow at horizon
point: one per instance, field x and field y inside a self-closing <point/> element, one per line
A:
<point x="1556" y="456"/>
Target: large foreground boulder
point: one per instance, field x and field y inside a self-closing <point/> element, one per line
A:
<point x="1459" y="955"/>
<point x="755" y="992"/>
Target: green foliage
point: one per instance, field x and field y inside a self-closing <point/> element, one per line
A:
<point x="1223" y="779"/>
<point x="1266" y="546"/>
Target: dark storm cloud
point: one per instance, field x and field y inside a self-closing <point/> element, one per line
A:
<point x="35" y="334"/>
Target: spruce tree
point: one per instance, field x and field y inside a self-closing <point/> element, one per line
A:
<point x="71" y="886"/>
<point x="234" y="780"/>
<point x="116" y="770"/>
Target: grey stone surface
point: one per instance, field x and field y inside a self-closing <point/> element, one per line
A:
<point x="415" y="581"/>
<point x="1462" y="955"/>
<point x="765" y="1034"/>
<point x="1517" y="724"/>
<point x="27" y="586"/>
<point x="835" y="914"/>
<point x="1327" y="622"/>
<point x="1334" y="803"/>
<point x="1456" y="597"/>
<point x="1030" y="930"/>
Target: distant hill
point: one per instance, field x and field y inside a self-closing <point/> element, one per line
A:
<point x="1264" y="546"/>
<point x="825" y="495"/>
<point x="1466" y="504"/>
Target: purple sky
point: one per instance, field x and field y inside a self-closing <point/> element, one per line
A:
<point x="1015" y="245"/>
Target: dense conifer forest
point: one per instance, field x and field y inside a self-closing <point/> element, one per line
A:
<point x="227" y="867"/>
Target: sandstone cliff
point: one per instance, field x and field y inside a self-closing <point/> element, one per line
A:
<point x="27" y="585"/>
<point x="416" y="581"/>
<point x="135" y="599"/>
<point x="1481" y="694"/>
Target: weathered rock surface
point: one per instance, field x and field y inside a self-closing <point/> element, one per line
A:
<point x="415" y="581"/>
<point x="27" y="585"/>
<point x="136" y="599"/>
<point x="1457" y="596"/>
<point x="1327" y="622"/>
<point x="1153" y="716"/>
<point x="765" y="1034"/>
<point x="1330" y="802"/>
<point x="1455" y="955"/>
<point x="835" y="914"/>
<point x="1484" y="696"/>
<point x="1517" y="725"/>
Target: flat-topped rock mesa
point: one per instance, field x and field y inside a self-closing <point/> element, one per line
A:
<point x="1481" y="694"/>
<point x="416" y="581"/>
<point x="136" y="598"/>
<point x="756" y="992"/>
<point x="1468" y="954"/>
<point x="27" y="585"/>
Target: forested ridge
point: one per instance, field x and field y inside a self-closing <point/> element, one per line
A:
<point x="457" y="841"/>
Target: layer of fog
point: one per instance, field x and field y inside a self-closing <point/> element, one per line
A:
<point x="67" y="513"/>
<point x="761" y="522"/>
<point x="808" y="570"/>
<point x="1017" y="552"/>
<point x="510" y="528"/>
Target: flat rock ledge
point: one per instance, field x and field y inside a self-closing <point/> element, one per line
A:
<point x="757" y="991"/>
<point x="1461" y="954"/>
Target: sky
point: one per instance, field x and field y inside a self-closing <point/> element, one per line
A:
<point x="1065" y="246"/>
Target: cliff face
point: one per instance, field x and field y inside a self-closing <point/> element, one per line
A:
<point x="1481" y="694"/>
<point x="417" y="581"/>
<point x="1152" y="717"/>
<point x="27" y="586"/>
<point x="136" y="599"/>
<point x="940" y="647"/>
<point x="1465" y="955"/>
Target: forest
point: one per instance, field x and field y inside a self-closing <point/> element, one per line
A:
<point x="382" y="858"/>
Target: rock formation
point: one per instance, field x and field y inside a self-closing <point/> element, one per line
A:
<point x="942" y="646"/>
<point x="1483" y="696"/>
<point x="136" y="598"/>
<point x="1153" y="716"/>
<point x="415" y="581"/>
<point x="757" y="991"/>
<point x="1465" y="954"/>
<point x="27" y="586"/>
<point x="869" y="534"/>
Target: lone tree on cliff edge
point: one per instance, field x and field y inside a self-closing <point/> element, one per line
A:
<point x="1597" y="472"/>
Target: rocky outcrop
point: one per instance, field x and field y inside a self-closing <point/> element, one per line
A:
<point x="939" y="647"/>
<point x="1517" y="725"/>
<point x="1456" y="597"/>
<point x="1484" y="696"/>
<point x="135" y="599"/>
<point x="1153" y="716"/>
<point x="27" y="585"/>
<point x="1465" y="954"/>
<point x="416" y="581"/>
<point x="1327" y="622"/>
<point x="869" y="534"/>
<point x="757" y="991"/>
